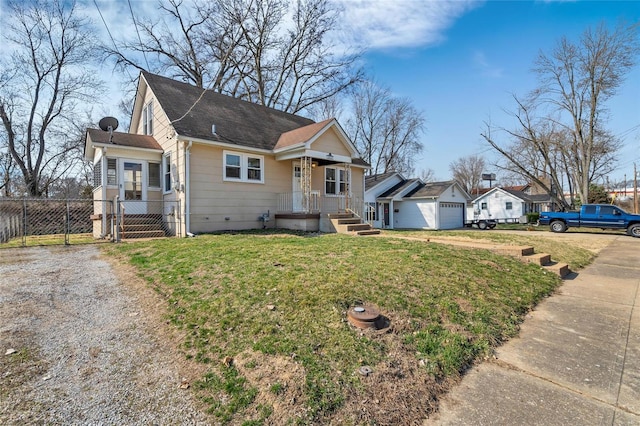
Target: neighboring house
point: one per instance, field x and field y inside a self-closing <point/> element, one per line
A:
<point x="412" y="204"/>
<point x="506" y="204"/>
<point x="208" y="162"/>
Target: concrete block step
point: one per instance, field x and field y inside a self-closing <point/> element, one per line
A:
<point x="561" y="269"/>
<point x="537" y="258"/>
<point x="358" y="227"/>
<point x="349" y="221"/>
<point x="340" y="215"/>
<point x="368" y="232"/>
<point x="518" y="251"/>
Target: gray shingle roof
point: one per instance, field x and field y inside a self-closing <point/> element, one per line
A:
<point x="430" y="189"/>
<point x="398" y="188"/>
<point x="124" y="139"/>
<point x="237" y="122"/>
<point x="373" y="180"/>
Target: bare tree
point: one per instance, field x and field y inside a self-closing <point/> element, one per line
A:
<point x="386" y="130"/>
<point x="467" y="171"/>
<point x="251" y="49"/>
<point x="427" y="175"/>
<point x="39" y="100"/>
<point x="570" y="138"/>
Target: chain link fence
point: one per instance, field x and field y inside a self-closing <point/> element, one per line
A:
<point x="34" y="222"/>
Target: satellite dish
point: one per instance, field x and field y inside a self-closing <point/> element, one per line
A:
<point x="108" y="124"/>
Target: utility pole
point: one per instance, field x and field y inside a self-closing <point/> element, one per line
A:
<point x="635" y="189"/>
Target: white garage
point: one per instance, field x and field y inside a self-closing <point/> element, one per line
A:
<point x="413" y="204"/>
<point x="451" y="215"/>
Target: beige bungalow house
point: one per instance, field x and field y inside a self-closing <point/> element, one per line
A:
<point x="197" y="161"/>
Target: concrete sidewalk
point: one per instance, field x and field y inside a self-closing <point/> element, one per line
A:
<point x="576" y="361"/>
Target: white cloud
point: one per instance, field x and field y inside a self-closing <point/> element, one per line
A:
<point x="385" y="24"/>
<point x="484" y="66"/>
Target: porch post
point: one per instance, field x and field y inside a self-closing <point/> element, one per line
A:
<point x="347" y="184"/>
<point x="305" y="172"/>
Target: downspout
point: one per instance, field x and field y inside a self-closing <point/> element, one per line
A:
<point x="103" y="182"/>
<point x="187" y="189"/>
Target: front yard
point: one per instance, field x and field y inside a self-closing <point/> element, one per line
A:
<point x="266" y="315"/>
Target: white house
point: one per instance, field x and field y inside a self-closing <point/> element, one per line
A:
<point x="506" y="205"/>
<point x="412" y="204"/>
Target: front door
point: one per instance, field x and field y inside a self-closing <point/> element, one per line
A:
<point x="296" y="195"/>
<point x="132" y="187"/>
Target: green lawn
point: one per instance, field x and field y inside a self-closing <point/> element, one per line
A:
<point x="265" y="300"/>
<point x="578" y="254"/>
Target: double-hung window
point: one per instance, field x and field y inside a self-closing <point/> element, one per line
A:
<point x="147" y="119"/>
<point x="241" y="167"/>
<point x="166" y="167"/>
<point x="154" y="175"/>
<point x="509" y="205"/>
<point x="336" y="181"/>
<point x="112" y="175"/>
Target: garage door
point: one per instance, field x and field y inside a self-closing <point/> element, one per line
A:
<point x="451" y="215"/>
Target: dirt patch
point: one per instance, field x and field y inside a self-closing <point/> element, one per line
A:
<point x="398" y="391"/>
<point x="280" y="383"/>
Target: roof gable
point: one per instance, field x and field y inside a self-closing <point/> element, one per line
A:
<point x="193" y="112"/>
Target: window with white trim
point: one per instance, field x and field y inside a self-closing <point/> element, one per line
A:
<point x="241" y="167"/>
<point x="112" y="172"/>
<point x="336" y="181"/>
<point x="166" y="167"/>
<point x="147" y="119"/>
<point x="483" y="206"/>
<point x="509" y="205"/>
<point x="97" y="174"/>
<point x="154" y="175"/>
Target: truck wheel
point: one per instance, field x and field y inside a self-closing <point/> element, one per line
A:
<point x="482" y="225"/>
<point x="558" y="226"/>
<point x="634" y="230"/>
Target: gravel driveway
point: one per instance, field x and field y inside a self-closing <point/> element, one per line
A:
<point x="79" y="347"/>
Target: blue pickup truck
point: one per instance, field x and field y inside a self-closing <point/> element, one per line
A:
<point x="602" y="216"/>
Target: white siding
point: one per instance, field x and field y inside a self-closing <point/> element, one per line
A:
<point x="497" y="206"/>
<point x="415" y="214"/>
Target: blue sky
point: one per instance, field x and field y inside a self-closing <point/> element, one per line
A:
<point x="465" y="71"/>
<point x="458" y="61"/>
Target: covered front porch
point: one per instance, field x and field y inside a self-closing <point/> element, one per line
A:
<point x="320" y="187"/>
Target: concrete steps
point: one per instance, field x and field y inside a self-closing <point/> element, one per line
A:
<point x="348" y="223"/>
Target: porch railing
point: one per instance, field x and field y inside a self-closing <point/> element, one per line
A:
<point x="293" y="202"/>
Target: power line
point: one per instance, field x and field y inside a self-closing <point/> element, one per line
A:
<point x="115" y="46"/>
<point x="135" y="24"/>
